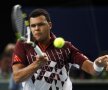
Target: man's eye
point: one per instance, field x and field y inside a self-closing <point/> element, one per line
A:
<point x="33" y="25"/>
<point x="39" y="24"/>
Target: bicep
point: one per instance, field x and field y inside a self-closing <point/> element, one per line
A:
<point x="17" y="67"/>
<point x="18" y="72"/>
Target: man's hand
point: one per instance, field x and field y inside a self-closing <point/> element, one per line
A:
<point x="41" y="60"/>
<point x="102" y="61"/>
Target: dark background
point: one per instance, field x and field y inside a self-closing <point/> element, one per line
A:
<point x="83" y="22"/>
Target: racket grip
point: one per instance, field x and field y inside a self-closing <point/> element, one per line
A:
<point x="28" y="34"/>
<point x="38" y="50"/>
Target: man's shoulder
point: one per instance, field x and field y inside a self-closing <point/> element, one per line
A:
<point x="22" y="43"/>
<point x="68" y="43"/>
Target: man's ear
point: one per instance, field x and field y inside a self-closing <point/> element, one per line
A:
<point x="50" y="25"/>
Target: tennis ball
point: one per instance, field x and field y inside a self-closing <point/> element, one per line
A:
<point x="59" y="42"/>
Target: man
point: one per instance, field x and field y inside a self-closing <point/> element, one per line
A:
<point x="50" y="71"/>
<point x="5" y="62"/>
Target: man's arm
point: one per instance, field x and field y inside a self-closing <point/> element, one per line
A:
<point x="87" y="66"/>
<point x="21" y="73"/>
<point x="94" y="68"/>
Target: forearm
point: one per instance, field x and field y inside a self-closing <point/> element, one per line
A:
<point x="89" y="68"/>
<point x="21" y="73"/>
<point x="26" y="72"/>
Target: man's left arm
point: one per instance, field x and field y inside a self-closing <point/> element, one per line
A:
<point x="96" y="67"/>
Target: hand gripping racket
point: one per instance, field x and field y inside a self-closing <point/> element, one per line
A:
<point x="21" y="27"/>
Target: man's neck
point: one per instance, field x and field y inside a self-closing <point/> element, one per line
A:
<point x="45" y="43"/>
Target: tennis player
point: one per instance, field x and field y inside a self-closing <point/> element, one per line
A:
<point x="50" y="71"/>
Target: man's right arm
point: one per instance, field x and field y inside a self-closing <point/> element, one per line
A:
<point x="21" y="73"/>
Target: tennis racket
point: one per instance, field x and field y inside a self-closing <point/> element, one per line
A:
<point x="21" y="28"/>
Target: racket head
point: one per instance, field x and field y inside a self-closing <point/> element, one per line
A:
<point x="19" y="26"/>
<point x="18" y="21"/>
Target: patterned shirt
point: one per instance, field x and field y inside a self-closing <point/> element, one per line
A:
<point x="55" y="74"/>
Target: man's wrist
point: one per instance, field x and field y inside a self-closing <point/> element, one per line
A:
<point x="97" y="68"/>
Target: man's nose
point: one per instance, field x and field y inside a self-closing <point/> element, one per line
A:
<point x="36" y="27"/>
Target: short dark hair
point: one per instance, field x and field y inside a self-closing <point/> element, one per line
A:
<point x="39" y="12"/>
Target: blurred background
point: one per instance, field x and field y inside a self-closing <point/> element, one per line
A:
<point x="83" y="22"/>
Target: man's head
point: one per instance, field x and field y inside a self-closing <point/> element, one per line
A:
<point x="39" y="12"/>
<point x="40" y="24"/>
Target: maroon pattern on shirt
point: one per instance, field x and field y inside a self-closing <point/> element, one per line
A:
<point x="68" y="54"/>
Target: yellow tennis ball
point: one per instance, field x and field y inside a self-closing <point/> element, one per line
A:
<point x="59" y="42"/>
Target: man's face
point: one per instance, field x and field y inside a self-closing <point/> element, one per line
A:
<point x="40" y="28"/>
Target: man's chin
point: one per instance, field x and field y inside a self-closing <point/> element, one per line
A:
<point x="38" y="39"/>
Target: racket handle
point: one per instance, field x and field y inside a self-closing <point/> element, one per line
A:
<point x="28" y="34"/>
<point x="38" y="50"/>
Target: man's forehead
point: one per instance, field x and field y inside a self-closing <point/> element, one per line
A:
<point x="38" y="20"/>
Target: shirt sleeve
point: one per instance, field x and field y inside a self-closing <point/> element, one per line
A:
<point x="77" y="56"/>
<point x="19" y="55"/>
